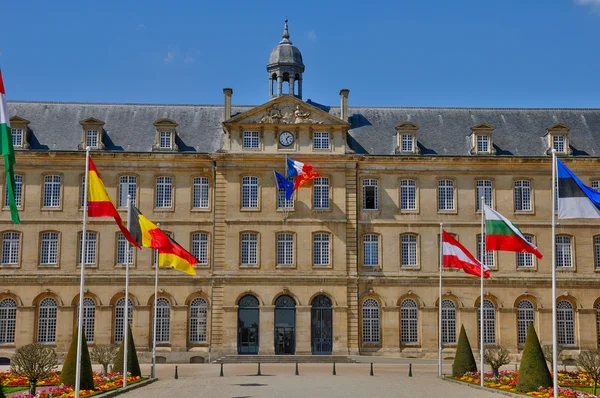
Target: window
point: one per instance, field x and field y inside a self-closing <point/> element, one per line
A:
<point x="249" y="248"/>
<point x="200" y="247"/>
<point x="595" y="185"/>
<point x="321" y="193"/>
<point x="10" y="247"/>
<point x="489" y="322"/>
<point x="163" y="320"/>
<point x="445" y="195"/>
<point x="82" y="193"/>
<point x="8" y="321"/>
<point x="321" y="140"/>
<point x="448" y="322"/>
<point x="558" y="143"/>
<point x="408" y="195"/>
<point x="165" y="141"/>
<point x="285" y="249"/>
<point x="371" y="250"/>
<point x="321" y="249"/>
<point x="90" y="247"/>
<point x="370" y="321"/>
<point x="597" y="321"/>
<point x="91" y="138"/>
<point x="18" y="188"/>
<point x="597" y="251"/>
<point x="484" y="189"/>
<point x="120" y="317"/>
<point x="282" y="202"/>
<point x="127" y="186"/>
<point x="488" y="261"/>
<point x="525" y="316"/>
<point x="46" y="332"/>
<point x="563" y="252"/>
<point x="522" y="196"/>
<point x="483" y="144"/>
<point x="198" y="320"/>
<point x="49" y="248"/>
<point x="52" y="191"/>
<point x="200" y="199"/>
<point x="17" y="137"/>
<point x="124" y="250"/>
<point x="409" y="311"/>
<point x="370" y="194"/>
<point x="525" y="260"/>
<point x="89" y="318"/>
<point x="251" y="140"/>
<point x="409" y="250"/>
<point x="250" y="193"/>
<point x="566" y="323"/>
<point x="556" y="195"/>
<point x="407" y="143"/>
<point x="164" y="192"/>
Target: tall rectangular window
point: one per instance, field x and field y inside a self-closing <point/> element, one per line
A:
<point x="321" y="140"/>
<point x="321" y="249"/>
<point x="164" y="192"/>
<point x="52" y="191"/>
<point x="127" y="186"/>
<point x="124" y="250"/>
<point x="445" y="195"/>
<point x="249" y="248"/>
<point x="17" y="137"/>
<point x="558" y="143"/>
<point x="200" y="199"/>
<point x="564" y="258"/>
<point x="285" y="249"/>
<point x="597" y="254"/>
<point x="522" y="196"/>
<point x="165" y="141"/>
<point x="91" y="138"/>
<point x="371" y="250"/>
<point x="525" y="260"/>
<point x="489" y="255"/>
<point x="251" y="140"/>
<point x="370" y="194"/>
<point x="49" y="248"/>
<point x="90" y="248"/>
<point x="282" y="202"/>
<point x="407" y="143"/>
<point x="483" y="144"/>
<point x="409" y="250"/>
<point x="250" y="193"/>
<point x="82" y="192"/>
<point x="10" y="247"/>
<point x="18" y="191"/>
<point x="408" y="195"/>
<point x="200" y="247"/>
<point x="484" y="189"/>
<point x="321" y="193"/>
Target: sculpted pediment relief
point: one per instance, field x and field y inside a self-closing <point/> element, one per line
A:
<point x="286" y="113"/>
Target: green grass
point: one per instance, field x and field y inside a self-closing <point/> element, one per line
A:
<point x="8" y="390"/>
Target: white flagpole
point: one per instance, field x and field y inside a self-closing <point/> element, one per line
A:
<point x="481" y="324"/>
<point x="554" y="331"/>
<point x="126" y="310"/>
<point x="153" y="371"/>
<point x="81" y="284"/>
<point x="440" y="301"/>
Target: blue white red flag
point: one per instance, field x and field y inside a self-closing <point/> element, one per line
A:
<point x="300" y="171"/>
<point x="575" y="199"/>
<point x="284" y="184"/>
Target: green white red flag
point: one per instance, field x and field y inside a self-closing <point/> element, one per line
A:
<point x="501" y="234"/>
<point x="8" y="151"/>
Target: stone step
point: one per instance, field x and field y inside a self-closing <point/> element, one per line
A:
<point x="284" y="359"/>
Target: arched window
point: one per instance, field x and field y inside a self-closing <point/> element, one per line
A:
<point x="370" y="321"/>
<point x="525" y="316"/>
<point x="198" y="320"/>
<point x="8" y="320"/>
<point x="47" y="321"/>
<point x="89" y="318"/>
<point x="489" y="322"/>
<point x="163" y="320"/>
<point x="120" y="317"/>
<point x="409" y="312"/>
<point x="566" y="323"/>
<point x="448" y="322"/>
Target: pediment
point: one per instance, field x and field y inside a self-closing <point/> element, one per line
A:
<point x="165" y="122"/>
<point x="483" y="127"/>
<point x="287" y="110"/>
<point x="559" y="127"/>
<point x="407" y="126"/>
<point x="91" y="121"/>
<point x="18" y="120"/>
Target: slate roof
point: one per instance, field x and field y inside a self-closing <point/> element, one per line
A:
<point x="442" y="131"/>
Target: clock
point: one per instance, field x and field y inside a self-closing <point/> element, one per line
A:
<point x="286" y="138"/>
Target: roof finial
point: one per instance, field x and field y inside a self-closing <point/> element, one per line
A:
<point x="285" y="35"/>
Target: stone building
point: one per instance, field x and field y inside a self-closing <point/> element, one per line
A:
<point x="349" y="266"/>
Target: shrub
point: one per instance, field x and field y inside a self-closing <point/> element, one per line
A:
<point x="463" y="360"/>
<point x="1" y="391"/>
<point x="589" y="362"/>
<point x="533" y="372"/>
<point x="35" y="362"/>
<point x="496" y="356"/>
<point x="104" y="354"/>
<point x="133" y="365"/>
<point x="69" y="369"/>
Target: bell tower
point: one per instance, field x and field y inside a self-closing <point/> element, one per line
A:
<point x="285" y="66"/>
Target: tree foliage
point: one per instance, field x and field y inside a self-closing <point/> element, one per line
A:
<point x="104" y="354"/>
<point x="464" y="361"/>
<point x="133" y="365"/>
<point x="589" y="363"/>
<point x="68" y="375"/>
<point x="35" y="362"/>
<point x="496" y="356"/>
<point x="533" y="372"/>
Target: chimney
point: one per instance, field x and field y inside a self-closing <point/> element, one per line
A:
<point x="228" y="92"/>
<point x="344" y="104"/>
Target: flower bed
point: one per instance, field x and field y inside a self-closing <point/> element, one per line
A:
<point x="569" y="383"/>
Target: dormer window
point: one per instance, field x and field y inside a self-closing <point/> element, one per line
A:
<point x="407" y="138"/>
<point x="166" y="134"/>
<point x="92" y="133"/>
<point x="91" y="138"/>
<point x="558" y="143"/>
<point x="17" y="137"/>
<point x="558" y="139"/>
<point x="407" y="143"/>
<point x="482" y="143"/>
<point x="19" y="131"/>
<point x="165" y="140"/>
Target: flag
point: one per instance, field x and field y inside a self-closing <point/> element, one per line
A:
<point x="300" y="171"/>
<point x="456" y="256"/>
<point x="145" y="232"/>
<point x="177" y="257"/>
<point x="575" y="199"/>
<point x="283" y="183"/>
<point x="501" y="234"/>
<point x="8" y="151"/>
<point x="99" y="203"/>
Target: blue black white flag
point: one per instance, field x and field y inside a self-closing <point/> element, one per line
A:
<point x="575" y="199"/>
<point x="284" y="184"/>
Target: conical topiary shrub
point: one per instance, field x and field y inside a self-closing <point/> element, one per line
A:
<point x="2" y="391"/>
<point x="533" y="372"/>
<point x="133" y="365"/>
<point x="69" y="369"/>
<point x="463" y="360"/>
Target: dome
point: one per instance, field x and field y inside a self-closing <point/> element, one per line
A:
<point x="285" y="53"/>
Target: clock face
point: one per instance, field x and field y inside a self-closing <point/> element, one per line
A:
<point x="286" y="138"/>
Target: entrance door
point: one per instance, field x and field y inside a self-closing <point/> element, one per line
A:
<point x="321" y="326"/>
<point x="285" y="326"/>
<point x="248" y="321"/>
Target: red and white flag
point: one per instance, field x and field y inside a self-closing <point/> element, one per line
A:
<point x="456" y="256"/>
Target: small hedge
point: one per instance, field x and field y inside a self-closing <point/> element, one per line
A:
<point x="69" y="369"/>
<point x="133" y="364"/>
<point x="533" y="372"/>
<point x="463" y="360"/>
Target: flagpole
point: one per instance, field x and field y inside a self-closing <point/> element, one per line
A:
<point x="153" y="371"/>
<point x="554" y="331"/>
<point x="126" y="310"/>
<point x="481" y="325"/>
<point x="440" y="301"/>
<point x="82" y="282"/>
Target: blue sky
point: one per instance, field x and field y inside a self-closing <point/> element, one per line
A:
<point x="472" y="53"/>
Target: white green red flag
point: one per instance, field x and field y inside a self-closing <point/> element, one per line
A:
<point x="456" y="256"/>
<point x="501" y="234"/>
<point x="8" y="151"/>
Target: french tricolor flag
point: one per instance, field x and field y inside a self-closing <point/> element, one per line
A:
<point x="300" y="171"/>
